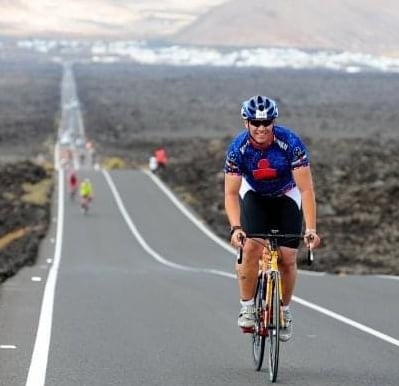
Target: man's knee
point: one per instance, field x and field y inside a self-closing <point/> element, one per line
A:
<point x="288" y="258"/>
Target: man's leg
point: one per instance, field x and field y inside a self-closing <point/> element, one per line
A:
<point x="288" y="271"/>
<point x="247" y="274"/>
<point x="247" y="271"/>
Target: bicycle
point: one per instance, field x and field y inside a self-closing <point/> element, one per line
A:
<point x="85" y="203"/>
<point x="268" y="301"/>
<point x="72" y="193"/>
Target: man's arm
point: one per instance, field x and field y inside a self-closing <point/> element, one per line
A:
<point x="232" y="183"/>
<point x="304" y="182"/>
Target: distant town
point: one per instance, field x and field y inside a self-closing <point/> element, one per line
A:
<point x="147" y="52"/>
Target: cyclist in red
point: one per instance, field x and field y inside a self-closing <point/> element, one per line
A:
<point x="161" y="156"/>
<point x="72" y="183"/>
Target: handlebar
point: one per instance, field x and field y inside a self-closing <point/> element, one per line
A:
<point x="275" y="236"/>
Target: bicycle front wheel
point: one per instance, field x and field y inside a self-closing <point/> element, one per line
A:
<point x="259" y="334"/>
<point x="274" y="327"/>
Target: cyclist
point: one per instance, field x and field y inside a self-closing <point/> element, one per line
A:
<point x="161" y="157"/>
<point x="268" y="185"/>
<point x="72" y="183"/>
<point x="86" y="193"/>
<point x="153" y="164"/>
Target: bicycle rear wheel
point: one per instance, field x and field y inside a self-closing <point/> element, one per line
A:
<point x="85" y="206"/>
<point x="274" y="327"/>
<point x="72" y="195"/>
<point x="259" y="334"/>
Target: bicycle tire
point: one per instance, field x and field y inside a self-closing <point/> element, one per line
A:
<point x="274" y="328"/>
<point x="258" y="336"/>
<point x="85" y="207"/>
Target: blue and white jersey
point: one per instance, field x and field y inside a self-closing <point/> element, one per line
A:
<point x="267" y="171"/>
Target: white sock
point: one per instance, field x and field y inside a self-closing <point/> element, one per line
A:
<point x="249" y="302"/>
<point x="285" y="308"/>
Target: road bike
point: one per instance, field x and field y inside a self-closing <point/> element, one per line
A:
<point x="85" y="203"/>
<point x="268" y="300"/>
<point x="72" y="193"/>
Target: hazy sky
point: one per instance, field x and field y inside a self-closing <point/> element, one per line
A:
<point x="107" y="17"/>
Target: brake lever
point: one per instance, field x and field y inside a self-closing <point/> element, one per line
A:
<point x="239" y="255"/>
<point x="310" y="252"/>
<point x="239" y="251"/>
<point x="310" y="256"/>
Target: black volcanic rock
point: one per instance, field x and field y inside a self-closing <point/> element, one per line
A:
<point x="22" y="223"/>
<point x="349" y="123"/>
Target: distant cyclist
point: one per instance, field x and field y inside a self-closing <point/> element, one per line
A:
<point x="268" y="185"/>
<point x="72" y="184"/>
<point x="86" y="194"/>
<point x="153" y="164"/>
<point x="161" y="157"/>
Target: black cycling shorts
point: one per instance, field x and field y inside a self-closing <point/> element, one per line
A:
<point x="261" y="214"/>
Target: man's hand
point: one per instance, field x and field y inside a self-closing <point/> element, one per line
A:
<point x="238" y="238"/>
<point x="312" y="240"/>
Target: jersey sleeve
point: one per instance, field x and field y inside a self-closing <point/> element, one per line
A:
<point x="299" y="154"/>
<point x="232" y="163"/>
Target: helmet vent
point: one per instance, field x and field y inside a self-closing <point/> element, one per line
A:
<point x="259" y="107"/>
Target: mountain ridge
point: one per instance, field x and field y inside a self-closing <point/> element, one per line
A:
<point x="343" y="25"/>
<point x="340" y="25"/>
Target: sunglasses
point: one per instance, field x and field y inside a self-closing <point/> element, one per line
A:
<point x="265" y="122"/>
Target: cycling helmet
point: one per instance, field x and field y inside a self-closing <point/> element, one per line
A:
<point x="259" y="107"/>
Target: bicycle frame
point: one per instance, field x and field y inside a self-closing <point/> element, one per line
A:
<point x="272" y="254"/>
<point x="84" y="203"/>
<point x="268" y="301"/>
<point x="273" y="317"/>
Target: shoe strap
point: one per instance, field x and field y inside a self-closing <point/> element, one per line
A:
<point x="248" y="310"/>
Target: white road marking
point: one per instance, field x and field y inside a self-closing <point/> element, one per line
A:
<point x="185" y="211"/>
<point x="200" y="225"/>
<point x="144" y="244"/>
<point x="170" y="264"/>
<point x="8" y="347"/>
<point x="36" y="278"/>
<point x="388" y="277"/>
<point x="348" y="321"/>
<point x="38" y="365"/>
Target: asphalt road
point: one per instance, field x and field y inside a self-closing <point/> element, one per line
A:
<point x="121" y="316"/>
<point x="140" y="292"/>
<point x="71" y="149"/>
